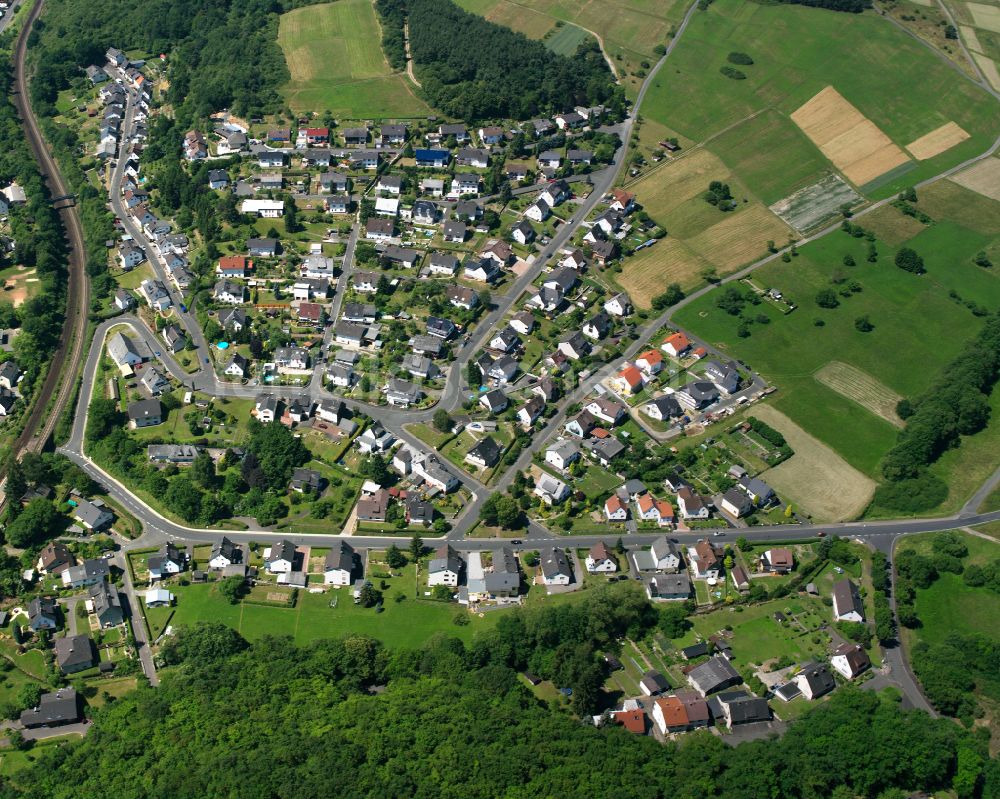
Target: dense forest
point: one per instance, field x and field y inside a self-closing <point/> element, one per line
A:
<point x="224" y="53"/>
<point x="851" y="6"/>
<point x="474" y="69"/>
<point x="450" y="720"/>
<point x="956" y="405"/>
<point x="40" y="243"/>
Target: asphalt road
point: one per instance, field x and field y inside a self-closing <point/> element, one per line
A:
<point x="157" y="529"/>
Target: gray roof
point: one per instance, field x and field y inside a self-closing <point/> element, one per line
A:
<point x="446" y="559"/>
<point x="58" y="707"/>
<point x="713" y="675"/>
<point x="282" y="550"/>
<point x="818" y="677"/>
<point x="340" y="556"/>
<point x="73" y="650"/>
<point x="654" y="682"/>
<point x="143" y="409"/>
<point x="555" y="563"/>
<point x="105" y="597"/>
<point x="90" y="514"/>
<point x="847" y="598"/>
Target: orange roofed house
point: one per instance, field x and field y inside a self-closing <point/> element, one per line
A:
<point x="632" y="720"/>
<point x="628" y="380"/>
<point x="681" y="712"/>
<point x="676" y="344"/>
<point x="650" y="362"/>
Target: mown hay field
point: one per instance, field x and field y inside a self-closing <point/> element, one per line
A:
<point x="858" y="385"/>
<point x="815" y="479"/>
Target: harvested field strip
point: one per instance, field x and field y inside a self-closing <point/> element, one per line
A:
<point x="852" y="142"/>
<point x="815" y="479"/>
<point x="740" y="238"/>
<point x="893" y="226"/>
<point x="647" y="274"/>
<point x="989" y="68"/>
<point x="862" y="388"/>
<point x="678" y="181"/>
<point x="937" y="141"/>
<point x="969" y="34"/>
<point x="812" y="206"/>
<point x="985" y="16"/>
<point x="982" y="178"/>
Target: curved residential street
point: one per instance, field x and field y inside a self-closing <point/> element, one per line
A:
<point x="157" y="529"/>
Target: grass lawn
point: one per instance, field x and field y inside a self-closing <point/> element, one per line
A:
<point x="904" y="89"/>
<point x="407" y="623"/>
<point x="336" y="62"/>
<point x="13" y="760"/>
<point x="597" y="483"/>
<point x="429" y="434"/>
<point x="791" y="349"/>
<point x="757" y="637"/>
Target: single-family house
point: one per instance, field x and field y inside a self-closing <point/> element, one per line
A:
<point x="445" y="568"/>
<point x="600" y="560"/>
<point x="551" y="490"/>
<point x="814" y="680"/>
<point x="847" y="604"/>
<point x="555" y="567"/>
<point x="715" y="674"/>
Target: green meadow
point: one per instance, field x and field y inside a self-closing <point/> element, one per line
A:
<point x="895" y="81"/>
<point x="918" y="328"/>
<point x="334" y="54"/>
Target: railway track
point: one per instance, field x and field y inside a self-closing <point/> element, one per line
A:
<point x="59" y="379"/>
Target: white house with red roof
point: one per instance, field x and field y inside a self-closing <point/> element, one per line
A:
<point x="676" y="344"/>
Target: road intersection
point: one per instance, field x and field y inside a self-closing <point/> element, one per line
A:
<point x="158" y="529"/>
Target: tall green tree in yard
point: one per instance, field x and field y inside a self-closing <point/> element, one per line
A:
<point x="203" y="470"/>
<point x="394" y="557"/>
<point x="416" y="547"/>
<point x="442" y="421"/>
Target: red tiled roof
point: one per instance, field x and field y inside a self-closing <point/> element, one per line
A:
<point x="632" y="720"/>
<point x="678" y="341"/>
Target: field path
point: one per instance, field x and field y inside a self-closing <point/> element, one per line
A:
<point x="409" y="57"/>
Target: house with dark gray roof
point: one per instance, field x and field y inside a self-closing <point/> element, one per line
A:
<point x="54" y="709"/>
<point x="485" y="454"/>
<point x="107" y="603"/>
<point x="74" y="653"/>
<point x="814" y="680"/>
<point x="713" y="675"/>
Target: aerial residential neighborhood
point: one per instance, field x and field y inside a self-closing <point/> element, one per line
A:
<point x="401" y="386"/>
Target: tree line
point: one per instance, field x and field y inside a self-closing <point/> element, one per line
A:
<point x="455" y="721"/>
<point x="473" y="69"/>
<point x="956" y="405"/>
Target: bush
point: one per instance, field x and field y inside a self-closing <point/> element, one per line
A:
<point x="739" y="58"/>
<point x="912" y="495"/>
<point x="732" y="73"/>
<point x="827" y="298"/>
<point x="908" y="260"/>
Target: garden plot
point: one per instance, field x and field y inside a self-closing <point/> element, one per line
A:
<point x="855" y="145"/>
<point x="862" y="388"/>
<point x="810" y="207"/>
